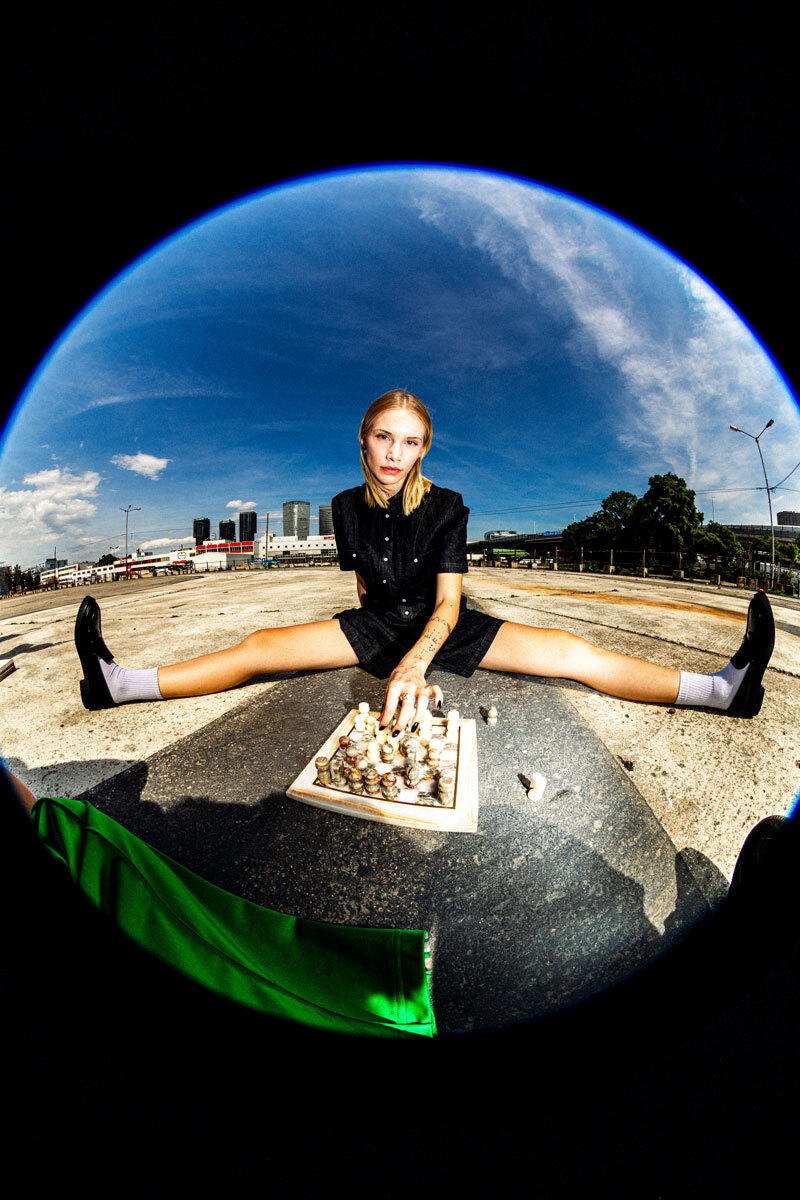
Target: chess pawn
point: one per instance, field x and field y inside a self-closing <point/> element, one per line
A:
<point x="410" y="747"/>
<point x="344" y="743"/>
<point x="386" y="752"/>
<point x="434" y="754"/>
<point x="373" y="751"/>
<point x="363" y="708"/>
<point x="491" y="716"/>
<point x="352" y="756"/>
<point x="538" y="784"/>
<point x="362" y="762"/>
<point x="360" y="723"/>
<point x="412" y="773"/>
<point x="323" y="766"/>
<point x="447" y="787"/>
<point x="372" y="782"/>
<point x="356" y="781"/>
<point x="338" y="778"/>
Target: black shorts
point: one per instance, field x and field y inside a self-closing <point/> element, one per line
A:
<point x="380" y="643"/>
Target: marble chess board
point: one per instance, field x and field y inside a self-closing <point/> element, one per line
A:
<point x="421" y="803"/>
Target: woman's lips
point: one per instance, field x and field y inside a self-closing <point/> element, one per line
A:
<point x="392" y="470"/>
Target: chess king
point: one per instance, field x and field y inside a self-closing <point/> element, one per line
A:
<point x="404" y="539"/>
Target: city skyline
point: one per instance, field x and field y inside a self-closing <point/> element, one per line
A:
<point x="563" y="355"/>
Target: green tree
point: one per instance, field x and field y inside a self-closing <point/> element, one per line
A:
<point x="105" y="560"/>
<point x="719" y="545"/>
<point x="603" y="530"/>
<point x="665" y="518"/>
<point x="787" y="552"/>
<point x="8" y="579"/>
<point x="17" y="576"/>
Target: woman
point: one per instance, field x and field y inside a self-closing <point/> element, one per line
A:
<point x="405" y="539"/>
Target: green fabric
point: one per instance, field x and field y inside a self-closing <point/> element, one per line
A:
<point x="334" y="977"/>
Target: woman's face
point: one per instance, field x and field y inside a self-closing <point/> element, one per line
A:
<point x="392" y="445"/>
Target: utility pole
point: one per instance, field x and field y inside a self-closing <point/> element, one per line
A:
<point x="755" y="438"/>
<point x="127" y="512"/>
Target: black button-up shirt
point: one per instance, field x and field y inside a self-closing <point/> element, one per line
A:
<point x="399" y="557"/>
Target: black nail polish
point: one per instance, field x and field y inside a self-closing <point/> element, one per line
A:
<point x="415" y="727"/>
<point x="396" y="733"/>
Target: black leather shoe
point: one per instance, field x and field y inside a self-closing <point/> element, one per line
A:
<point x="91" y="647"/>
<point x="755" y="650"/>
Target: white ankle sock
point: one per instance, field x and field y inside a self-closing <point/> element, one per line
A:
<point x="711" y="691"/>
<point x="125" y="685"/>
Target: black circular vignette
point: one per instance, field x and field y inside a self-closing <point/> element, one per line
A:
<point x="101" y="169"/>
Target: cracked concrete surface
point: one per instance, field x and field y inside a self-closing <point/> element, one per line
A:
<point x="707" y="778"/>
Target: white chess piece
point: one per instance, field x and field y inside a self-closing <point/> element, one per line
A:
<point x="538" y="784"/>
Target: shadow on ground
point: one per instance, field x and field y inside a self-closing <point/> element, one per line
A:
<point x="547" y="904"/>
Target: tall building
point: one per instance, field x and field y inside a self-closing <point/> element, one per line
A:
<point x="201" y="530"/>
<point x="325" y="519"/>
<point x="296" y="519"/>
<point x="789" y="518"/>
<point x="247" y="526"/>
<point x="227" y="531"/>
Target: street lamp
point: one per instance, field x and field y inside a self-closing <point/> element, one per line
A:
<point x="755" y="437"/>
<point x="127" y="511"/>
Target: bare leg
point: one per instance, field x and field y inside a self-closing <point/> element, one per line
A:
<point x="319" y="645"/>
<point x="24" y="797"/>
<point x="557" y="654"/>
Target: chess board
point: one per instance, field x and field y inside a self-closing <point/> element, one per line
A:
<point x="420" y="806"/>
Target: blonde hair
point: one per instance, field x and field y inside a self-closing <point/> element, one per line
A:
<point x="416" y="485"/>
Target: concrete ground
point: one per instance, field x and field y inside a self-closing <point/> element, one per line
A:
<point x="645" y="812"/>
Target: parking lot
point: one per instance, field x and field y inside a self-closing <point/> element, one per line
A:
<point x="708" y="778"/>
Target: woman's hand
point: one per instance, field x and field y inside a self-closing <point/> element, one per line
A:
<point x="407" y="683"/>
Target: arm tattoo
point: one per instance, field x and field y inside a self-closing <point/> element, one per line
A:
<point x="434" y="638"/>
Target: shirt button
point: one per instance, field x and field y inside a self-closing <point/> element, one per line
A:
<point x="384" y="581"/>
<point x="355" y="556"/>
<point x="386" y="560"/>
<point x="386" y="539"/>
<point x="415" y="560"/>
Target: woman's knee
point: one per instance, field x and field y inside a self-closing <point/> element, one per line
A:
<point x="570" y="650"/>
<point x="259" y="645"/>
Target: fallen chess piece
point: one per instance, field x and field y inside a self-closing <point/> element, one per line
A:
<point x="538" y="784"/>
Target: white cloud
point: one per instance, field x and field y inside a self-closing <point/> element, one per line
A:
<point x="157" y="543"/>
<point x="53" y="503"/>
<point x="688" y="367"/>
<point x="241" y="505"/>
<point x="142" y="464"/>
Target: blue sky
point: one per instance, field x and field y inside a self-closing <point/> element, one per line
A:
<point x="562" y="354"/>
